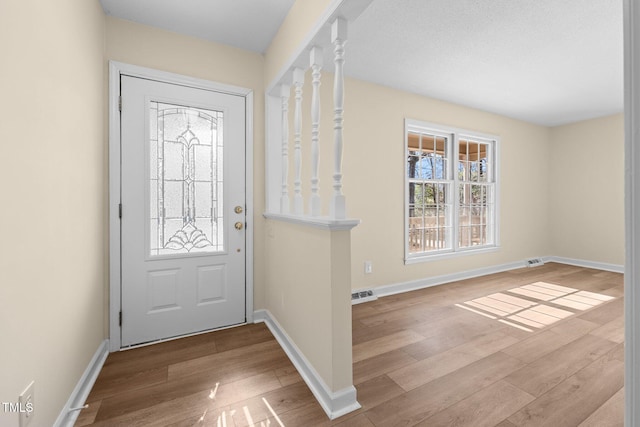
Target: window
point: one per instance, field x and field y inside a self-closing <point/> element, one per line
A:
<point x="186" y="185"/>
<point x="451" y="191"/>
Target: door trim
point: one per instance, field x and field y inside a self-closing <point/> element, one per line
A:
<point x="115" y="70"/>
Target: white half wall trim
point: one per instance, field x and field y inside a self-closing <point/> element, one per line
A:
<point x="335" y="404"/>
<point x="70" y="412"/>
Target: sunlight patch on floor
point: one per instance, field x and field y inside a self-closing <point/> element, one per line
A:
<point x="535" y="305"/>
<point x="273" y="412"/>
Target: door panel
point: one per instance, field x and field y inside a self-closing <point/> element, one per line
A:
<point x="183" y="262"/>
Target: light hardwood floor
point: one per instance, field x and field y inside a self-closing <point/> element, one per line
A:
<point x="419" y="360"/>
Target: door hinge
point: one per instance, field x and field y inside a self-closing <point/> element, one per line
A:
<point x="120" y="103"/>
<point x="120" y="319"/>
<point x="120" y="210"/>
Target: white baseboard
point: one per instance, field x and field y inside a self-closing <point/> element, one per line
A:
<point x="364" y="299"/>
<point x="398" y="288"/>
<point x="80" y="393"/>
<point x="616" y="268"/>
<point x="335" y="404"/>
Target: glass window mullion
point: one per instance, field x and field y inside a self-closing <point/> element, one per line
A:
<point x="455" y="222"/>
<point x="491" y="193"/>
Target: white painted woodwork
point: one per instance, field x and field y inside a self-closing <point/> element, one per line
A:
<point x="338" y="38"/>
<point x="315" y="59"/>
<point x="285" y="91"/>
<point x="172" y="295"/>
<point x="116" y="70"/>
<point x="273" y="151"/>
<point x="323" y="222"/>
<point x="308" y="54"/>
<point x="68" y="416"/>
<point x="329" y="32"/>
<point x="334" y="403"/>
<point x="298" y="203"/>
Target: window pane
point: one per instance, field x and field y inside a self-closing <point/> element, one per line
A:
<point x="428" y="208"/>
<point x="440" y="168"/>
<point x="483" y="170"/>
<point x="473" y="152"/>
<point x="413" y="141"/>
<point x="463" y="151"/>
<point x="425" y="166"/>
<point x="463" y="216"/>
<point x="412" y="166"/>
<point x="415" y="222"/>
<point x="473" y="161"/>
<point x="441" y="193"/>
<point x="185" y="179"/>
<point x="416" y="232"/>
<point x="473" y="171"/>
<point x="474" y="214"/>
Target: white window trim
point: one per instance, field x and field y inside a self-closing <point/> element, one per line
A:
<point x="455" y="134"/>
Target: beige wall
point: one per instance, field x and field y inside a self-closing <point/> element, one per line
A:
<point x="52" y="181"/>
<point x="307" y="291"/>
<point x="293" y="31"/>
<point x="163" y="50"/>
<point x="586" y="190"/>
<point x="374" y="181"/>
<point x="374" y="166"/>
<point x="536" y="216"/>
<point x="545" y="205"/>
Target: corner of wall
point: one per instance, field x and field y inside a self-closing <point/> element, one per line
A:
<point x="298" y="25"/>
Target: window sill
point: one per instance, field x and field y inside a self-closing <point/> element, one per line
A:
<point x="447" y="255"/>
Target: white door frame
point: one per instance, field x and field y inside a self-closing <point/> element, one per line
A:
<point x="115" y="70"/>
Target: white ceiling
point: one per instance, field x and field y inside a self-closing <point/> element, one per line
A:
<point x="548" y="62"/>
<point x="247" y="24"/>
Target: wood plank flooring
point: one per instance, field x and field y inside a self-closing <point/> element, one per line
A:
<point x="419" y="360"/>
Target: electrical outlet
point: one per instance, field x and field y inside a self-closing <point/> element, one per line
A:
<point x="25" y="405"/>
<point x="368" y="267"/>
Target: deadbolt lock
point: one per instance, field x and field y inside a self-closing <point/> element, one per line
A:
<point x="238" y="209"/>
<point x="239" y="225"/>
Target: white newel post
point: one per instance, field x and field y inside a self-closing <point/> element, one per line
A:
<point x="298" y="81"/>
<point x="316" y="65"/>
<point x="284" y="198"/>
<point x="338" y="38"/>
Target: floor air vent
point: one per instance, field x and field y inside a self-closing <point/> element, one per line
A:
<point x="363" y="296"/>
<point x="534" y="262"/>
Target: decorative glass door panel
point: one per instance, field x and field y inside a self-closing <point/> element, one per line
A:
<point x="186" y="180"/>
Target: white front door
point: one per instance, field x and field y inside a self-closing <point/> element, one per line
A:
<point x="183" y="210"/>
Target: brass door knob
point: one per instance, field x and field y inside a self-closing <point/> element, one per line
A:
<point x="238" y="209"/>
<point x="239" y="225"/>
